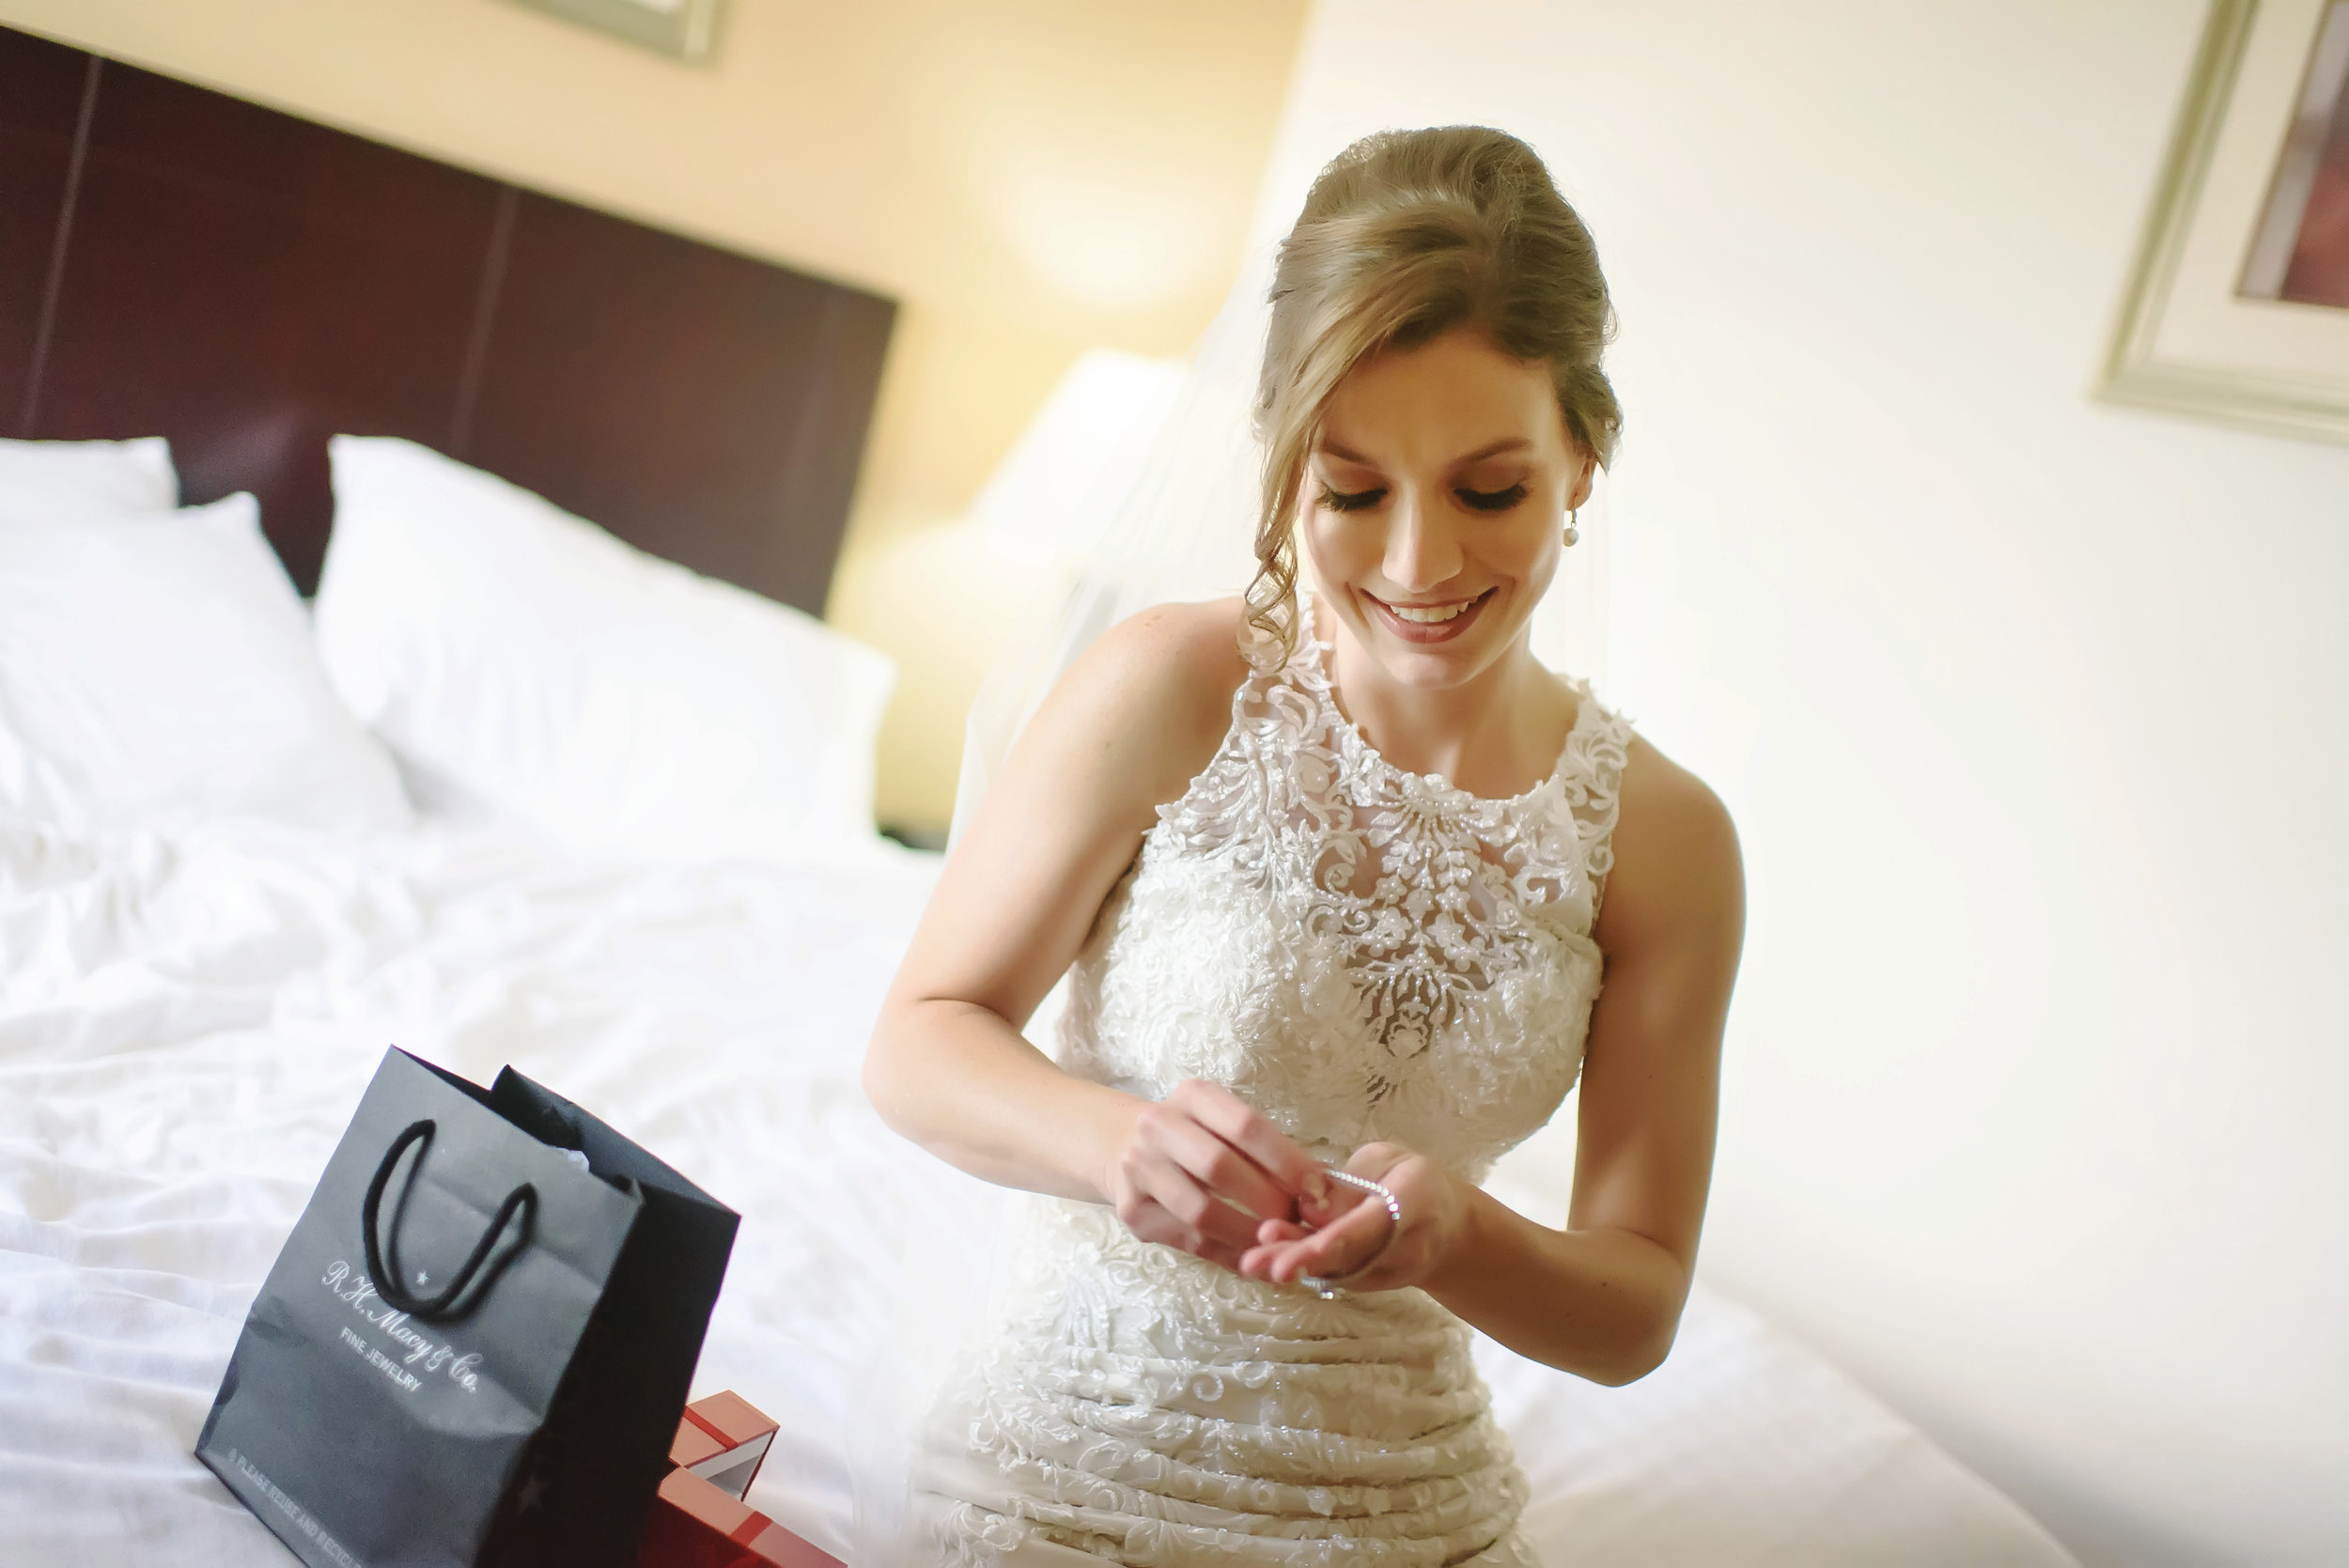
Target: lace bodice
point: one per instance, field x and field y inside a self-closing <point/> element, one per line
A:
<point x="1362" y="954"/>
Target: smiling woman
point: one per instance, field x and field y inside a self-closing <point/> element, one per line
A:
<point x="1331" y="906"/>
<point x="1374" y="267"/>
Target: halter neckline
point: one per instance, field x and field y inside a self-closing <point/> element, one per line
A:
<point x="1311" y="662"/>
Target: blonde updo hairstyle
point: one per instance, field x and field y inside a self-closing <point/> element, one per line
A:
<point x="1405" y="236"/>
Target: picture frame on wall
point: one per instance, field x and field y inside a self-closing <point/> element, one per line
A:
<point x="685" y="28"/>
<point x="2237" y="307"/>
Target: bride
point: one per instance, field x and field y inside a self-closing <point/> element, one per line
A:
<point x="1336" y="871"/>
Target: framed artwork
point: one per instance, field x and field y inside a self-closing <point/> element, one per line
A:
<point x="685" y="28"/>
<point x="2238" y="305"/>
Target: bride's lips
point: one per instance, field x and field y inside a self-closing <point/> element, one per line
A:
<point x="1422" y="631"/>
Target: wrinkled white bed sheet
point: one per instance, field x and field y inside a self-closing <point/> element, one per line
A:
<point x="186" y="1022"/>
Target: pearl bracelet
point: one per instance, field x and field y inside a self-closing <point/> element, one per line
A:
<point x="1331" y="1286"/>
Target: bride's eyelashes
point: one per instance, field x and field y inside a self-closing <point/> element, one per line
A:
<point x="1492" y="501"/>
<point x="1343" y="501"/>
<point x="1476" y="501"/>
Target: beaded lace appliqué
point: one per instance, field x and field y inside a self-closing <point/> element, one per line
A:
<point x="1300" y="858"/>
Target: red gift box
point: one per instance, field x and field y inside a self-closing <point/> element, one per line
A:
<point x="699" y="1519"/>
<point x="693" y="1525"/>
<point x="722" y="1439"/>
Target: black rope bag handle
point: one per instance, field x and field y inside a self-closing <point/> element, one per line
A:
<point x="389" y="1282"/>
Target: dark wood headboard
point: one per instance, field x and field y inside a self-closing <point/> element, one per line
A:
<point x="177" y="262"/>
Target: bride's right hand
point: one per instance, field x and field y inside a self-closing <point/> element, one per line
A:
<point x="1201" y="1169"/>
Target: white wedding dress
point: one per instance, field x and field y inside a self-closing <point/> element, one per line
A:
<point x="1362" y="954"/>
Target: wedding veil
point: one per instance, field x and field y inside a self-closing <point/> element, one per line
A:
<point x="1171" y="517"/>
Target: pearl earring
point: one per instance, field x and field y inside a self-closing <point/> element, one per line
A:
<point x="1574" y="533"/>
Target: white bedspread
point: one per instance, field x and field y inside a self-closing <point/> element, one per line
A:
<point x="186" y="1023"/>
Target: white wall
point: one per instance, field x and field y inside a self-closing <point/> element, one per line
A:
<point x="2033" y="713"/>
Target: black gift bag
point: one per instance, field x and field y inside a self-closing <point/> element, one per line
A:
<point x="475" y="1345"/>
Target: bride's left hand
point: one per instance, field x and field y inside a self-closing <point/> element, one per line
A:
<point x="1347" y="1230"/>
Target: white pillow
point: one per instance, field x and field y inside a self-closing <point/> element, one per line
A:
<point x="618" y="702"/>
<point x="160" y="668"/>
<point x="40" y="480"/>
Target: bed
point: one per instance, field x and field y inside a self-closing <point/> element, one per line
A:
<point x="196" y="982"/>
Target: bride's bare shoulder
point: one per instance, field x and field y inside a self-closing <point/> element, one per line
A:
<point x="1143" y="709"/>
<point x="1188" y="653"/>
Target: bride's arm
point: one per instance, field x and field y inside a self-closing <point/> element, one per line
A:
<point x="1601" y="1297"/>
<point x="1125" y="729"/>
